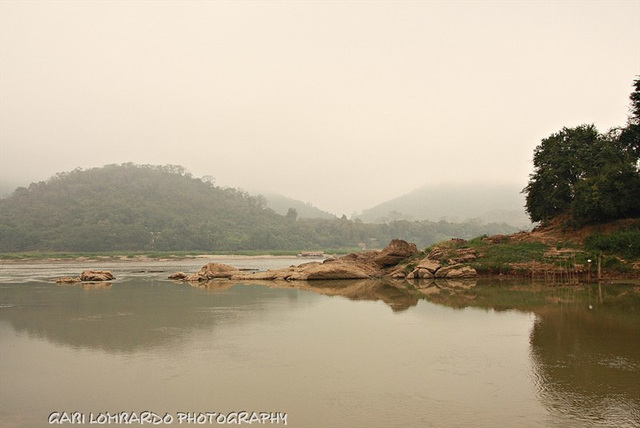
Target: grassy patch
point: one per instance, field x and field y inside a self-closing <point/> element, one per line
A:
<point x="498" y="257"/>
<point x="515" y="252"/>
<point x="623" y="242"/>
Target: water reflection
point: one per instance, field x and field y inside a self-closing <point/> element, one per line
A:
<point x="583" y="347"/>
<point x="587" y="363"/>
<point x="122" y="318"/>
<point x="127" y="316"/>
<point x="393" y="293"/>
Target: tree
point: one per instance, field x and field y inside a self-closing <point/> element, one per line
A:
<point x="587" y="175"/>
<point x="629" y="136"/>
<point x="292" y="214"/>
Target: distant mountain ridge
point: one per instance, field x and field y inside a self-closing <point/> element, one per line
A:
<point x="484" y="203"/>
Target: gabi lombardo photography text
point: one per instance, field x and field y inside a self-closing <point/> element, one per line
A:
<point x="153" y="418"/>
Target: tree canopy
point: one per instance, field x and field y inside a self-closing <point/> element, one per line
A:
<point x="586" y="175"/>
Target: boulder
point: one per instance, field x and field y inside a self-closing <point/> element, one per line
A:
<point x="395" y="252"/>
<point x="419" y="273"/>
<point x="212" y="271"/>
<point x="430" y="265"/>
<point x="178" y="275"/>
<point x="462" y="272"/>
<point x="96" y="275"/>
<point x="427" y="269"/>
<point x="335" y="270"/>
<point x="437" y="254"/>
<point x="456" y="271"/>
<point x="398" y="272"/>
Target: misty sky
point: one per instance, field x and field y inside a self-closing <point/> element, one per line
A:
<point x="342" y="104"/>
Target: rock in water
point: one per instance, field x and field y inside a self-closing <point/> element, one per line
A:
<point x="96" y="275"/>
<point x="178" y="275"/>
<point x="213" y="271"/>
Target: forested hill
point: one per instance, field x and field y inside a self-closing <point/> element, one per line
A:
<point x="127" y="207"/>
<point x="141" y="208"/>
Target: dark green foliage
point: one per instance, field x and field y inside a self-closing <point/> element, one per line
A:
<point x="163" y="208"/>
<point x="630" y="135"/>
<point x="586" y="175"/>
<point x="292" y="214"/>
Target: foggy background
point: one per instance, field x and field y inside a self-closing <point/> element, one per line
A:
<point x="342" y="104"/>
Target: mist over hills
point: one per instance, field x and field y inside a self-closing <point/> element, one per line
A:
<point x="455" y="203"/>
<point x="132" y="207"/>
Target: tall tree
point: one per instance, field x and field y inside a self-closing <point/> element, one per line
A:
<point x="629" y="136"/>
<point x="587" y="175"/>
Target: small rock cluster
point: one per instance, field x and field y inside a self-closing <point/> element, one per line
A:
<point x="87" y="276"/>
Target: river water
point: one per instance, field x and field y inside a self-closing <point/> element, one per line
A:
<point x="329" y="354"/>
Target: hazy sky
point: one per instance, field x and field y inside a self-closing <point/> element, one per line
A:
<point x="342" y="104"/>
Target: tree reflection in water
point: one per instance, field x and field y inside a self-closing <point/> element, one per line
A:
<point x="585" y="345"/>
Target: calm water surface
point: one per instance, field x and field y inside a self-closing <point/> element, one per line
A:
<point x="353" y="354"/>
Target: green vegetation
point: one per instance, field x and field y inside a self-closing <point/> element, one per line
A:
<point x="500" y="256"/>
<point x="504" y="254"/>
<point x="624" y="242"/>
<point x="144" y="208"/>
<point x="497" y="257"/>
<point x="587" y="176"/>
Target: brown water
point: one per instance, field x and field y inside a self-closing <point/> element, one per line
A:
<point x="384" y="355"/>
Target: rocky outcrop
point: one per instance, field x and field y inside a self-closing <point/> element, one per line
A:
<point x="333" y="269"/>
<point x="456" y="271"/>
<point x="390" y="263"/>
<point x="327" y="270"/>
<point x="441" y="263"/>
<point x="363" y="265"/>
<point x="395" y="252"/>
<point x="96" y="275"/>
<point x="208" y="272"/>
<point x="427" y="268"/>
<point x="87" y="276"/>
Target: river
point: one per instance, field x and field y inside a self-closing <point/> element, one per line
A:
<point x="327" y="354"/>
